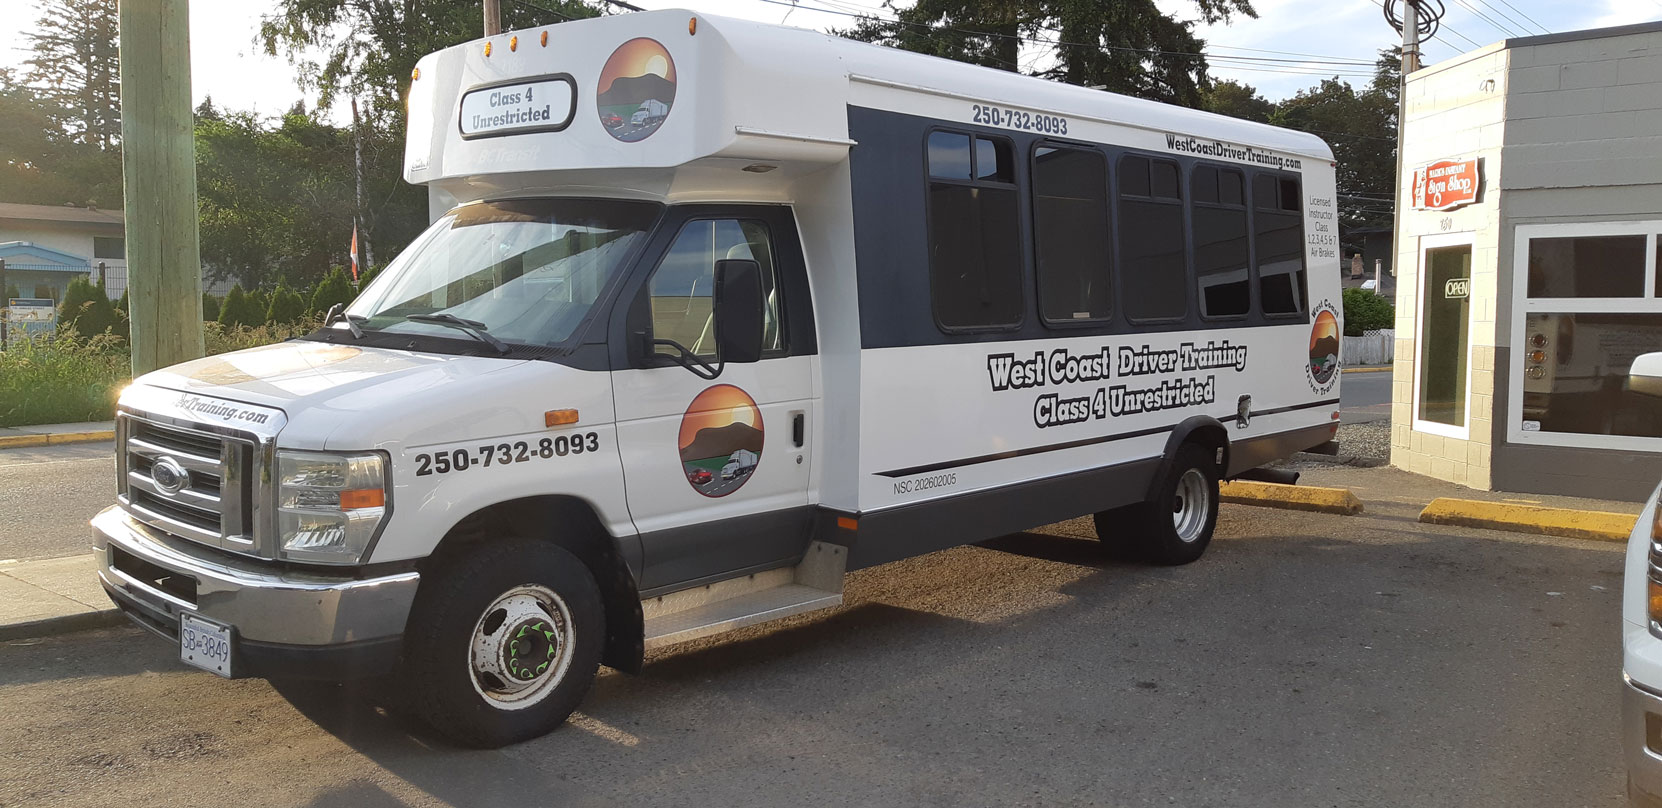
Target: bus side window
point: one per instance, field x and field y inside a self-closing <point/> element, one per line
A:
<point x="1220" y="222"/>
<point x="974" y="246"/>
<point x="1278" y="225"/>
<point x="1070" y="233"/>
<point x="1151" y="257"/>
<point x="682" y="286"/>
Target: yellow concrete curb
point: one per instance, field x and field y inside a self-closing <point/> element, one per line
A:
<point x="25" y="441"/>
<point x="1366" y="370"/>
<point x="1291" y="497"/>
<point x="1565" y="522"/>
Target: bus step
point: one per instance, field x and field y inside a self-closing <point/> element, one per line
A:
<point x="747" y="609"/>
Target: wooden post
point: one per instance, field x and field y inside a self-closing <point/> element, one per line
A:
<point x="164" y="270"/>
<point x="493" y="17"/>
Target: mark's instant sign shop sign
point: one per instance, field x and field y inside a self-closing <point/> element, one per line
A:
<point x="1447" y="184"/>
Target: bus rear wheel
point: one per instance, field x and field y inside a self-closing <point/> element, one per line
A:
<point x="503" y="642"/>
<point x="1174" y="526"/>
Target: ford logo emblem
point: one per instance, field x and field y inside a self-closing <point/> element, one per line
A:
<point x="170" y="477"/>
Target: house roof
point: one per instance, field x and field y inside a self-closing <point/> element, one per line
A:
<point x="60" y="213"/>
<point x="28" y="255"/>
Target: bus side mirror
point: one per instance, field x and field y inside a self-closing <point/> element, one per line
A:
<point x="1645" y="376"/>
<point x="738" y="310"/>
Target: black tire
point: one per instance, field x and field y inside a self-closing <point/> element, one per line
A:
<point x="505" y="581"/>
<point x="1151" y="530"/>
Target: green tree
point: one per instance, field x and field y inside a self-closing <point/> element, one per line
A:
<point x="210" y="308"/>
<point x="1236" y="100"/>
<point x="1366" y="311"/>
<point x="286" y="307"/>
<point x="1128" y="46"/>
<point x="76" y="68"/>
<point x="86" y="310"/>
<point x="335" y="288"/>
<point x="366" y="276"/>
<point x="41" y="164"/>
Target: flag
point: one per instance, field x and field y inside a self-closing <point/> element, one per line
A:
<point x="354" y="252"/>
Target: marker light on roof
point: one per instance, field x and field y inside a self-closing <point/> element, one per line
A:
<point x="513" y="43"/>
<point x="692" y="26"/>
<point x="415" y="75"/>
<point x="487" y="48"/>
<point x="545" y="39"/>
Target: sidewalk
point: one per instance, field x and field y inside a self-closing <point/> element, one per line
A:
<point x="52" y="596"/>
<point x="17" y="437"/>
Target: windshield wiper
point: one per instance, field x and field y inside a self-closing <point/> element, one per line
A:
<point x="338" y="312"/>
<point x="473" y="328"/>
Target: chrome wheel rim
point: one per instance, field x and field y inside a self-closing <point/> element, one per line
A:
<point x="1191" y="504"/>
<point x="521" y="647"/>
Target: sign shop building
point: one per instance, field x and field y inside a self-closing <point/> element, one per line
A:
<point x="1530" y="268"/>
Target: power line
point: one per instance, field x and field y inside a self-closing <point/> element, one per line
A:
<point x="1509" y="18"/>
<point x="1505" y="31"/>
<point x="563" y="16"/>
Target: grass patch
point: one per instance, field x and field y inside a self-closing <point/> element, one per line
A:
<point x="68" y="379"/>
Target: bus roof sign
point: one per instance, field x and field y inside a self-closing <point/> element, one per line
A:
<point x="543" y="104"/>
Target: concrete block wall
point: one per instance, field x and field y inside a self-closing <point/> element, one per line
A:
<point x="1455" y="110"/>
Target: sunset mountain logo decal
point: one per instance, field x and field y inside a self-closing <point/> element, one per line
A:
<point x="1324" y="347"/>
<point x="636" y="90"/>
<point x="721" y="440"/>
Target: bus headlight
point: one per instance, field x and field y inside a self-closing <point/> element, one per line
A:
<point x="329" y="505"/>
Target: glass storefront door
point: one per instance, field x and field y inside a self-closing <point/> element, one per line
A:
<point x="1445" y="322"/>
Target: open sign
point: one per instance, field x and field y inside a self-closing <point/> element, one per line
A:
<point x="1457" y="288"/>
<point x="1447" y="184"/>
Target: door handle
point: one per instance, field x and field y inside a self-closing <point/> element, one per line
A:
<point x="799" y="428"/>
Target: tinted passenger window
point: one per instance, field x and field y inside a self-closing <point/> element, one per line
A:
<point x="1070" y="233"/>
<point x="1151" y="240"/>
<point x="683" y="284"/>
<point x="1278" y="222"/>
<point x="974" y="252"/>
<point x="1220" y="222"/>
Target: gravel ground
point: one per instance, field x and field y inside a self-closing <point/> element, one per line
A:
<point x="1370" y="441"/>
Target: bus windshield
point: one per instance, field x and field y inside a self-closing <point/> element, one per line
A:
<point x="529" y="270"/>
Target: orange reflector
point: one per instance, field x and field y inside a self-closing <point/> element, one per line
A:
<point x="1335" y="415"/>
<point x="559" y="417"/>
<point x="362" y="498"/>
<point x="487" y="48"/>
<point x="545" y="39"/>
<point x="513" y="43"/>
<point x="692" y="26"/>
<point x="848" y="523"/>
<point x="415" y="75"/>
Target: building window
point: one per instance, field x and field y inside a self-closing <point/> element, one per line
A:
<point x="1445" y="323"/>
<point x="1588" y="302"/>
<point x="109" y="247"/>
<point x="1070" y="233"/>
<point x="1220" y="222"/>
<point x="974" y="242"/>
<point x="1278" y="225"/>
<point x="1151" y="255"/>
<point x="1587" y="266"/>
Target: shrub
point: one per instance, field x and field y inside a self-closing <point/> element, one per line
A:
<point x="45" y="379"/>
<point x="240" y="310"/>
<point x="1366" y="311"/>
<point x="286" y="307"/>
<point x="367" y="275"/>
<point x="86" y="310"/>
<point x="210" y="308"/>
<point x="335" y="288"/>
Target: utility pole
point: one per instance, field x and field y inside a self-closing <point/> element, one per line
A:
<point x="164" y="277"/>
<point x="493" y="17"/>
<point x="358" y="190"/>
<point x="1410" y="25"/>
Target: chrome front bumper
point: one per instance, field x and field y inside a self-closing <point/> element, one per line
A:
<point x="1642" y="740"/>
<point x="153" y="577"/>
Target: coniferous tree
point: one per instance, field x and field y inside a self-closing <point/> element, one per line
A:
<point x="210" y="308"/>
<point x="86" y="310"/>
<point x="76" y="68"/>
<point x="335" y="288"/>
<point x="286" y="307"/>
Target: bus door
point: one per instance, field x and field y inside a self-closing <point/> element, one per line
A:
<point x="717" y="470"/>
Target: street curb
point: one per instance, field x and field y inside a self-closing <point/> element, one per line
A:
<point x="1564" y="522"/>
<point x="1291" y="497"/>
<point x="66" y="624"/>
<point x="1366" y="370"/>
<point x="54" y="439"/>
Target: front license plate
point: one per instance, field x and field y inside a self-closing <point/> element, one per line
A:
<point x="205" y="644"/>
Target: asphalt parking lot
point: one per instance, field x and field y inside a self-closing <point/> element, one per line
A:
<point x="1307" y="660"/>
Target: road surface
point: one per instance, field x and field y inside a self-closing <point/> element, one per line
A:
<point x="1308" y="660"/>
<point x="1365" y="397"/>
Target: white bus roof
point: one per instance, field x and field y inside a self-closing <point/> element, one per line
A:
<point x="736" y="92"/>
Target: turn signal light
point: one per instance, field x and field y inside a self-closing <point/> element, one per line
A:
<point x="1539" y="340"/>
<point x="559" y="417"/>
<point x="1537" y="356"/>
<point x="362" y="498"/>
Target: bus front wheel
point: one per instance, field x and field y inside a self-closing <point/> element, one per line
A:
<point x="1174" y="525"/>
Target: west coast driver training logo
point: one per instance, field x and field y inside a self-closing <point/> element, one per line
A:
<point x="1324" y="347"/>
<point x="721" y="440"/>
<point x="636" y="90"/>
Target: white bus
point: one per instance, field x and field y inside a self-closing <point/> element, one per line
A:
<point x="933" y="303"/>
